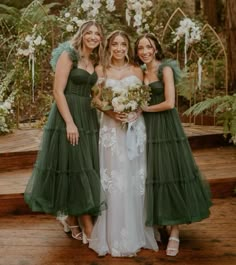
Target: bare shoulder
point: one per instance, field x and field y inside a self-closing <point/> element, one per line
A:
<point x="65" y="58"/>
<point x="168" y="75"/>
<point x="167" y="70"/>
<point x="64" y="62"/>
<point x="137" y="71"/>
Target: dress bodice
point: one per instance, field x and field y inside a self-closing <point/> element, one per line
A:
<point x="125" y="82"/>
<point x="157" y="92"/>
<point x="157" y="87"/>
<point x="80" y="82"/>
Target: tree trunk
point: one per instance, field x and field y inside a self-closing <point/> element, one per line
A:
<point x="197" y="6"/>
<point x="231" y="41"/>
<point x="210" y="11"/>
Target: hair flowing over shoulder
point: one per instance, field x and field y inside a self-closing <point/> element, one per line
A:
<point x="77" y="40"/>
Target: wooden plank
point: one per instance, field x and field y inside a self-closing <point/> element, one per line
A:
<point x="221" y="188"/>
<point x="29" y="139"/>
<point x="21" y="140"/>
<point x="19" y="149"/>
<point x="218" y="165"/>
<point x="14" y="182"/>
<point x="17" y="160"/>
<point x="13" y="204"/>
<point x="39" y="240"/>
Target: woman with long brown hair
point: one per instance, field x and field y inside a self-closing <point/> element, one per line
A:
<point x="120" y="230"/>
<point x="175" y="191"/>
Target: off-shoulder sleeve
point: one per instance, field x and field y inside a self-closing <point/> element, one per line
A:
<point x="65" y="46"/>
<point x="174" y="66"/>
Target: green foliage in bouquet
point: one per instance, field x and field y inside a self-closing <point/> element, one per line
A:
<point x="125" y="99"/>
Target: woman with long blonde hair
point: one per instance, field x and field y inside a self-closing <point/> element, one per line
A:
<point x="66" y="180"/>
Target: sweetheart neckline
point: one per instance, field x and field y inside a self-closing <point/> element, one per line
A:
<point x="86" y="71"/>
<point x="125" y="78"/>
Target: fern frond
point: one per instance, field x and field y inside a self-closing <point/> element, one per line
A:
<point x="9" y="14"/>
<point x="222" y="102"/>
<point x="48" y="7"/>
<point x="223" y="106"/>
<point x="9" y="10"/>
<point x="36" y="14"/>
<point x="200" y="107"/>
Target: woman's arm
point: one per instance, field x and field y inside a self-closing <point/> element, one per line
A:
<point x="169" y="87"/>
<point x="62" y="72"/>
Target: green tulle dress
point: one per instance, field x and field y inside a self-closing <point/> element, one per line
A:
<point x="175" y="190"/>
<point x="65" y="178"/>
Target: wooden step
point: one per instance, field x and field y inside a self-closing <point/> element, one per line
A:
<point x="218" y="166"/>
<point x="13" y="204"/>
<point x="19" y="150"/>
<point x="14" y="182"/>
<point x="17" y="160"/>
<point x="39" y="240"/>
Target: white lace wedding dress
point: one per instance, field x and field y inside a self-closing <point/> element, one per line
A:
<point x="121" y="230"/>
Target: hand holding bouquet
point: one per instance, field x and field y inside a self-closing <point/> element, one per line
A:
<point x="127" y="100"/>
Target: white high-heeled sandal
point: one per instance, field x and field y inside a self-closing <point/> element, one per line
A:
<point x="68" y="228"/>
<point x="172" y="251"/>
<point x="85" y="239"/>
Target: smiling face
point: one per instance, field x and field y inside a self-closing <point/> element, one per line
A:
<point x="146" y="50"/>
<point x="91" y="37"/>
<point x="118" y="47"/>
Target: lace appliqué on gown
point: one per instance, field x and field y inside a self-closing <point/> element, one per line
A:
<point x="120" y="230"/>
<point x="108" y="138"/>
<point x="112" y="182"/>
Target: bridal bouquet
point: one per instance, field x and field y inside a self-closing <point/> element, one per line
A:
<point x="125" y="99"/>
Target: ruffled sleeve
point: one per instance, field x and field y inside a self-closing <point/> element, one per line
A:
<point x="174" y="66"/>
<point x="65" y="46"/>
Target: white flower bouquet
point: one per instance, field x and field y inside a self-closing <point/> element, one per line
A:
<point x="125" y="100"/>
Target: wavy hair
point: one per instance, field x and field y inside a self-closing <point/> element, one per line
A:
<point x="109" y="40"/>
<point x="77" y="41"/>
<point x="152" y="39"/>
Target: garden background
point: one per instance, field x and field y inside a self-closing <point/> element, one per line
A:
<point x="199" y="34"/>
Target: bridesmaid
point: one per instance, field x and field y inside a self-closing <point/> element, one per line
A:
<point x="65" y="179"/>
<point x="175" y="192"/>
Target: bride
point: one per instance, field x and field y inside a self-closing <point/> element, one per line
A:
<point x="120" y="230"/>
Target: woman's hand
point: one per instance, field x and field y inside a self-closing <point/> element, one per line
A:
<point x="145" y="108"/>
<point x="72" y="133"/>
<point x="118" y="116"/>
<point x="139" y="112"/>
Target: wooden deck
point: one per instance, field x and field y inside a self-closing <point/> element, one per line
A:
<point x="28" y="139"/>
<point x="217" y="163"/>
<point x="18" y="153"/>
<point x="39" y="240"/>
